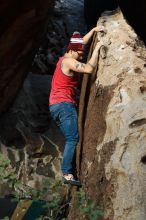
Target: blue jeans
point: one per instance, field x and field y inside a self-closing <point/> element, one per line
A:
<point x="65" y="115"/>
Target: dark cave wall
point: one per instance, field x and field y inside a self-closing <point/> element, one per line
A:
<point x="22" y="26"/>
<point x="94" y="8"/>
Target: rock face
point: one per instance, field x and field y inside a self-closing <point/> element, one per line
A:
<point x="67" y="17"/>
<point x="22" y="27"/>
<point x="111" y="153"/>
<point x="133" y="12"/>
<point x="136" y="16"/>
<point x="28" y="136"/>
<point x="112" y="150"/>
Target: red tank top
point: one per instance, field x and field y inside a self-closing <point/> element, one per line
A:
<point x="63" y="88"/>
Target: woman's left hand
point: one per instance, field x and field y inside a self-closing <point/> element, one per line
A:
<point x="99" y="28"/>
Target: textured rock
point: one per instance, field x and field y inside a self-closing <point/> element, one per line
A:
<point x="112" y="149"/>
<point x="135" y="14"/>
<point x="111" y="154"/>
<point x="66" y="18"/>
<point x="22" y="28"/>
<point x="28" y="136"/>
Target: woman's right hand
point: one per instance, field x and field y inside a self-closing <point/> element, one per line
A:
<point x="99" y="28"/>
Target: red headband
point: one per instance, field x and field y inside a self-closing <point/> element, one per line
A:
<point x="76" y="42"/>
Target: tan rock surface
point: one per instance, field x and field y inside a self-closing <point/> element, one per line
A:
<point x="112" y="152"/>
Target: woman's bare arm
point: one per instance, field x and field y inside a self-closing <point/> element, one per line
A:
<point x="71" y="64"/>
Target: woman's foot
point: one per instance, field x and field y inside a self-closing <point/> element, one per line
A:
<point x="69" y="179"/>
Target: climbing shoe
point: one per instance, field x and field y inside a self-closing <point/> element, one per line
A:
<point x="69" y="179"/>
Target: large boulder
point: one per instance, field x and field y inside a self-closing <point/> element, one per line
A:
<point x="28" y="136"/>
<point x="112" y="121"/>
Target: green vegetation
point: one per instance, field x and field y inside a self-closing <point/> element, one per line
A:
<point x="6" y="218"/>
<point x="49" y="192"/>
<point x="7" y="173"/>
<point x="87" y="206"/>
<point x="47" y="196"/>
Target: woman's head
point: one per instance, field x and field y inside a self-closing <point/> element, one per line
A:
<point x="76" y="42"/>
<point x="76" y="46"/>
